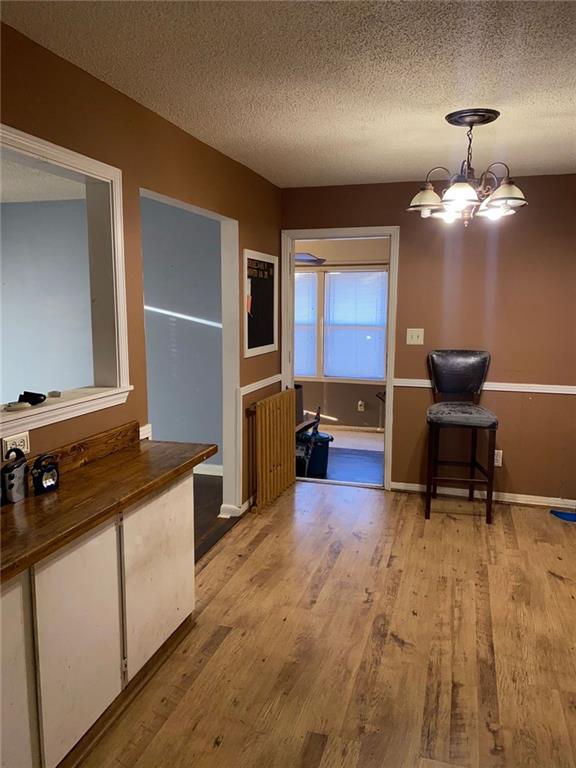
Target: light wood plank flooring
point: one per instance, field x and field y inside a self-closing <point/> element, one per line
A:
<point x="339" y="630"/>
<point x="360" y="441"/>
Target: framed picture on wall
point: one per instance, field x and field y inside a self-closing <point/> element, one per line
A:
<point x="260" y="303"/>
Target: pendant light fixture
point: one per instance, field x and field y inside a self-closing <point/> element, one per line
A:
<point x="489" y="196"/>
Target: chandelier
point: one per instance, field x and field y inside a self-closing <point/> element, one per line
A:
<point x="492" y="195"/>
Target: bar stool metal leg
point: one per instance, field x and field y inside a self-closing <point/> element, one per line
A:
<point x="474" y="443"/>
<point x="435" y="457"/>
<point x="430" y="470"/>
<point x="490" y="468"/>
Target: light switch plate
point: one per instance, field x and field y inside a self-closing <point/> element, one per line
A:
<point x="415" y="336"/>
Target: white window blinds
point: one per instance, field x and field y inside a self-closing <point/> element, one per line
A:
<point x="355" y="314"/>
<point x="305" y="323"/>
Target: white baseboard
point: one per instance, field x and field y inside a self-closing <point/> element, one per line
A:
<point x="146" y="432"/>
<point x="509" y="498"/>
<point x="350" y="483"/>
<point x="209" y="469"/>
<point x="336" y="427"/>
<point x="231" y="510"/>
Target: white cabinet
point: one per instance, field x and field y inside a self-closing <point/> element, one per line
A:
<point x="19" y="715"/>
<point x="79" y="638"/>
<point x="158" y="544"/>
<point x="68" y="624"/>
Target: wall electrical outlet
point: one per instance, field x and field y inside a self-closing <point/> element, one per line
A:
<point x="21" y="440"/>
<point x="414" y="335"/>
<point x="361" y="406"/>
<point x="497" y="458"/>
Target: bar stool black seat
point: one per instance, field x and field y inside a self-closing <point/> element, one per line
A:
<point x="458" y="375"/>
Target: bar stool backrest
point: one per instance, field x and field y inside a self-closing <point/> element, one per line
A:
<point x="460" y="372"/>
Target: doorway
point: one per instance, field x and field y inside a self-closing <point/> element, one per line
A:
<point x="190" y="261"/>
<point x="338" y="330"/>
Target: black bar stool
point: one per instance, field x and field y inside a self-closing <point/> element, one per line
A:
<point x="459" y="373"/>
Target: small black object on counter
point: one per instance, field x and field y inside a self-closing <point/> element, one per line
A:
<point x="15" y="476"/>
<point x="45" y="474"/>
<point x="34" y="398"/>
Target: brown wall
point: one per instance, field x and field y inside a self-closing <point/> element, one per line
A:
<point x="48" y="97"/>
<point x="536" y="434"/>
<point x="340" y="400"/>
<point x="509" y="288"/>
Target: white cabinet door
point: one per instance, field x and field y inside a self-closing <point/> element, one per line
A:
<point x="79" y="638"/>
<point x="158" y="543"/>
<point x="19" y="716"/>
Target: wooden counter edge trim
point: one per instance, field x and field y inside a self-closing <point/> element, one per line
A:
<point x="147" y="491"/>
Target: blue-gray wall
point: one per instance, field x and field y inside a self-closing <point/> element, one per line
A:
<point x="45" y="298"/>
<point x="182" y="274"/>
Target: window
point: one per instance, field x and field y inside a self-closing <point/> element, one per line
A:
<point x="305" y="322"/>
<point x="62" y="291"/>
<point x="350" y="343"/>
<point x="355" y="325"/>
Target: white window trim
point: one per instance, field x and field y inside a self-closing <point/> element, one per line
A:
<point x="74" y="402"/>
<point x="78" y="402"/>
<point x="321" y="298"/>
<point x="340" y="380"/>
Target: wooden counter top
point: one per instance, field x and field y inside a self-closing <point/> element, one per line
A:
<point x="89" y="495"/>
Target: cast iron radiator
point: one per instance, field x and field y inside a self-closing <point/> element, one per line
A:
<point x="275" y="446"/>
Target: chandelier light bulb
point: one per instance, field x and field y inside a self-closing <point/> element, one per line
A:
<point x="498" y="212"/>
<point x="450" y="216"/>
<point x="494" y="212"/>
<point x="457" y="205"/>
<point x="460" y="195"/>
<point x="447" y="214"/>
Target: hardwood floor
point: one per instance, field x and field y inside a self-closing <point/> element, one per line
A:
<point x="357" y="440"/>
<point x="338" y="629"/>
<point x="208" y="527"/>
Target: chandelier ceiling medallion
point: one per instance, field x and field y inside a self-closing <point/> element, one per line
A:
<point x="491" y="195"/>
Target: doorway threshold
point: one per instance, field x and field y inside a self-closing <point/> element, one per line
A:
<point x="328" y="481"/>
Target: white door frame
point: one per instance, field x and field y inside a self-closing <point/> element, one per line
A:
<point x="288" y="238"/>
<point x="231" y="438"/>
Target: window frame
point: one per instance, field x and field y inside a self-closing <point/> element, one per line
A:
<point x="78" y="402"/>
<point x="322" y="271"/>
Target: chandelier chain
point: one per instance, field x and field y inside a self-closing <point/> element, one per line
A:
<point x="469" y="154"/>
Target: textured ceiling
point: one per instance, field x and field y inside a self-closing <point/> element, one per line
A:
<point x="312" y="93"/>
<point x="22" y="184"/>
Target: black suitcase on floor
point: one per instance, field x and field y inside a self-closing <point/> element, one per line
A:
<point x="315" y="448"/>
